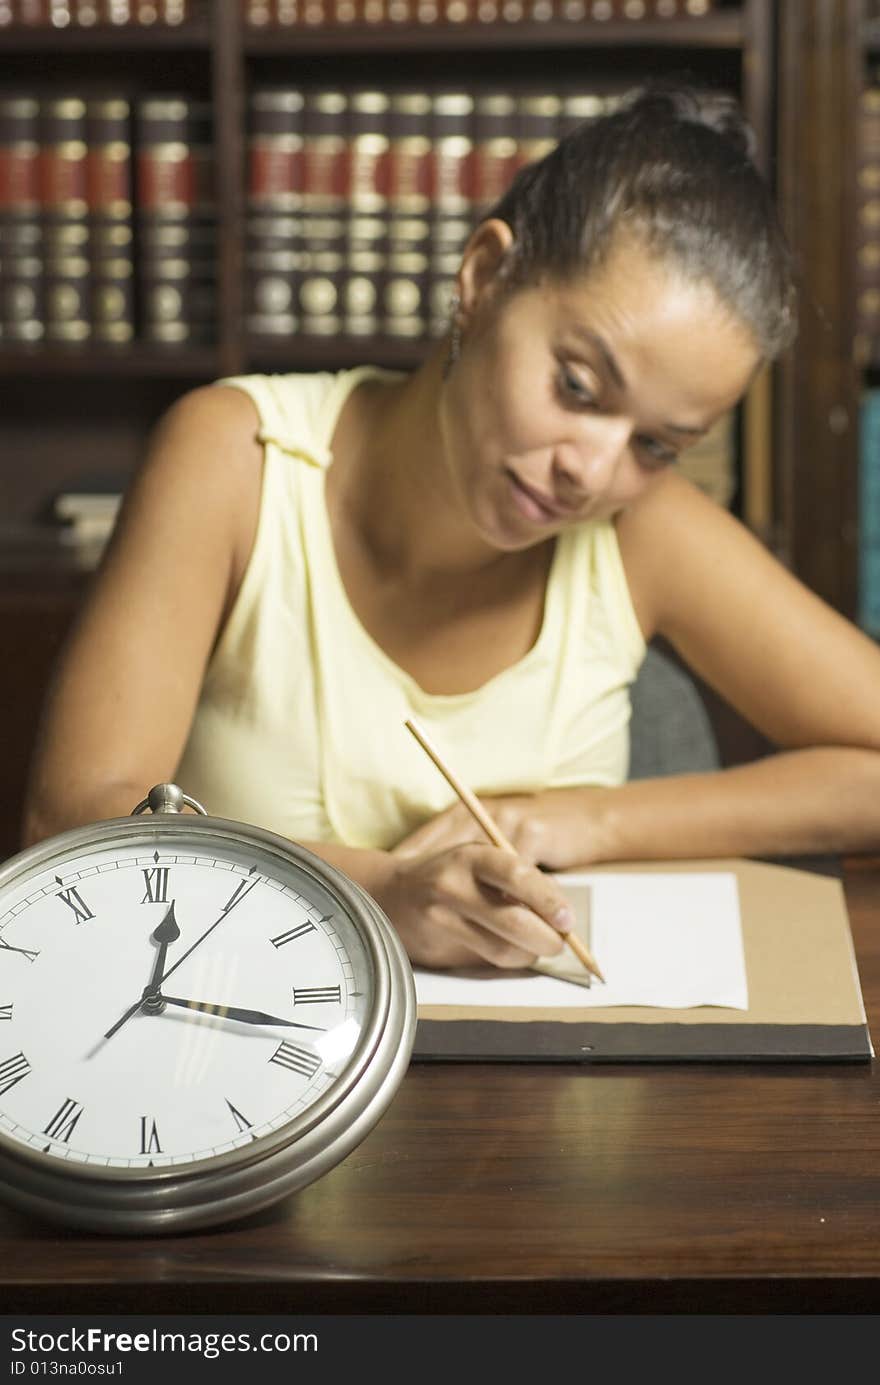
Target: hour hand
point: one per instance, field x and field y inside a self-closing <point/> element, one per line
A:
<point x="164" y="933"/>
<point x="235" y="1012"/>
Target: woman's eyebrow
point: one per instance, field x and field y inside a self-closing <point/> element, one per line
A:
<point x="599" y="344"/>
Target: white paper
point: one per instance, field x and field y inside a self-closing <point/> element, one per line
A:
<point x="667" y="940"/>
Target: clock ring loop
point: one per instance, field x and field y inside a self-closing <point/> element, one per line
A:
<point x="168" y="798"/>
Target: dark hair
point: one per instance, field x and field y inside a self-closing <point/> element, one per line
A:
<point x="675" y="165"/>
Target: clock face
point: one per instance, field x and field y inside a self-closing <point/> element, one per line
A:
<point x="173" y="996"/>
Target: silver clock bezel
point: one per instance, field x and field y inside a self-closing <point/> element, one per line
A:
<point x="236" y="1182"/>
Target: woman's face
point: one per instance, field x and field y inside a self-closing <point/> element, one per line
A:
<point x="570" y="398"/>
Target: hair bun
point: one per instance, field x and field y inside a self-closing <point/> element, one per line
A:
<point x="660" y="103"/>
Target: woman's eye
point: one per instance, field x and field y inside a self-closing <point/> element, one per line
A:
<point x="659" y="452"/>
<point x="575" y="388"/>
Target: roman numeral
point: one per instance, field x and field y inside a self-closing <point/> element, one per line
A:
<point x="316" y="995"/>
<point x="299" y="1060"/>
<point x="299" y="932"/>
<point x="241" y="1121"/>
<point x="63" y="1123"/>
<point x="242" y="888"/>
<point x="5" y="1012"/>
<point x="12" y="1070"/>
<point x="155" y="885"/>
<point x="72" y="897"/>
<point x="149" y="1139"/>
<point x="31" y="956"/>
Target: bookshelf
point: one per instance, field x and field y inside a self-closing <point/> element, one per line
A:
<point x="75" y="416"/>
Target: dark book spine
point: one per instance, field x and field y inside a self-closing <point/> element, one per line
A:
<point x="452" y="211"/>
<point x="118" y="12"/>
<point x="869" y="513"/>
<point x="111" y="226"/>
<point x="405" y="288"/>
<point x="495" y="148"/>
<point x="577" y="107"/>
<point x="22" y="302"/>
<point x="367" y="230"/>
<point x="324" y="217"/>
<point x="65" y="203"/>
<point x="867" y="227"/>
<point x="273" y="234"/>
<point x="537" y="125"/>
<point x="257" y="13"/>
<point x="175" y="219"/>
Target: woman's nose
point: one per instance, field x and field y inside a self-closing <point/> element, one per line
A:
<point x="589" y="463"/>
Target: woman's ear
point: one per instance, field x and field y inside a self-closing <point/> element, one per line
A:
<point x="481" y="263"/>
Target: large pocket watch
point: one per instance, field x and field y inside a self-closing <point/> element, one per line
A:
<point x="197" y="1017"/>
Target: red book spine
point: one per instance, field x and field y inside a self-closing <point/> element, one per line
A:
<point x="32" y="12"/>
<point x="22" y="304"/>
<point x="273" y="235"/>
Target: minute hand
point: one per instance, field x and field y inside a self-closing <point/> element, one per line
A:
<point x="235" y="1012"/>
<point x="227" y="909"/>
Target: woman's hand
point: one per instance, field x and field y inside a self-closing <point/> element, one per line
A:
<point x="556" y="829"/>
<point x="472" y="902"/>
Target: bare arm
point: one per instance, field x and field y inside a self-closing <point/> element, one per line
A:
<point x="123" y="694"/>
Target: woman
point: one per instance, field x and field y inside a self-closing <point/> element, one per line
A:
<point x="487" y="544"/>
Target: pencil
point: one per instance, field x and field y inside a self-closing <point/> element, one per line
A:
<point x="492" y="830"/>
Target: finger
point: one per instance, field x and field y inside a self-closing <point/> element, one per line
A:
<point x="511" y="923"/>
<point x="450" y="939"/>
<point x="498" y="948"/>
<point x="517" y="880"/>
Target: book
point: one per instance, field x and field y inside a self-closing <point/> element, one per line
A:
<point x="273" y="250"/>
<point x="869" y="513"/>
<point x="22" y="304"/>
<point x="110" y="198"/>
<point x="867" y="226"/>
<point x="64" y="201"/>
<point x="325" y="186"/>
<point x="175" y="218"/>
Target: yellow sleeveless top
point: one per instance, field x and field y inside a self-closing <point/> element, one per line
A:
<point x="300" y="723"/>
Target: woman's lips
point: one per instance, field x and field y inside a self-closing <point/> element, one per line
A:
<point x="533" y="504"/>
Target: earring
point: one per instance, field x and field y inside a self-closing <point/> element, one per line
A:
<point x="454" y="334"/>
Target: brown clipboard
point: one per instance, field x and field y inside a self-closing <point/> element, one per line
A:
<point x="805" y="999"/>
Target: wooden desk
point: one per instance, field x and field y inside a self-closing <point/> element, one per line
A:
<point x="544" y="1188"/>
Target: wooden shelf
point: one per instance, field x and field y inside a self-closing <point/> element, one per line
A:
<point x="334" y="353"/>
<point x="104" y="38"/>
<point x="722" y="29"/>
<point x="134" y="361"/>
